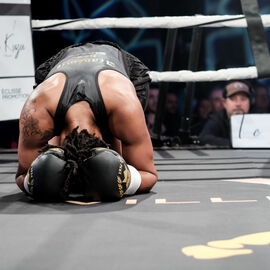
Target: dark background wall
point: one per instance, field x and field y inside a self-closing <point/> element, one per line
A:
<point x="147" y="44"/>
<point x="221" y="47"/>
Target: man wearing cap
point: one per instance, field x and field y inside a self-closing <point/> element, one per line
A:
<point x="237" y="96"/>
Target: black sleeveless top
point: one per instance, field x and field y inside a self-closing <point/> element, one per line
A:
<point x="81" y="65"/>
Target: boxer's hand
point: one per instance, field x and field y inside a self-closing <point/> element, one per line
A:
<point x="105" y="175"/>
<point x="46" y="177"/>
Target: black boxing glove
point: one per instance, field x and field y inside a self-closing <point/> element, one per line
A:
<point x="105" y="175"/>
<point x="47" y="175"/>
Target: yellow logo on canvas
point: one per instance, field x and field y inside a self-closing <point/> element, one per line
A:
<point x="227" y="248"/>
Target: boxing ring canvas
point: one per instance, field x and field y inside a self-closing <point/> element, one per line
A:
<point x="209" y="210"/>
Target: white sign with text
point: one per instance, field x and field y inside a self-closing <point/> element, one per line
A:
<point x="250" y="130"/>
<point x="13" y="93"/>
<point x="16" y="52"/>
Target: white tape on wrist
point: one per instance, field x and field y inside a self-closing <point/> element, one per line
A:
<point x="135" y="181"/>
<point x="26" y="185"/>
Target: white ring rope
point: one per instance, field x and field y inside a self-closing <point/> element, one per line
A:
<point x="204" y="76"/>
<point x="166" y="22"/>
<point x="145" y="22"/>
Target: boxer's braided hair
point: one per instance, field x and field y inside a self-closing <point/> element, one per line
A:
<point x="77" y="147"/>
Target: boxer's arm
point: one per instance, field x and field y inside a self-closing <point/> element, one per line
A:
<point x="139" y="154"/>
<point x="116" y="145"/>
<point x="25" y="158"/>
<point x="128" y="125"/>
<point x="36" y="129"/>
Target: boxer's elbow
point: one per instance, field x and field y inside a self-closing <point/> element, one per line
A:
<point x="19" y="181"/>
<point x="148" y="181"/>
<point x="20" y="175"/>
<point x="154" y="180"/>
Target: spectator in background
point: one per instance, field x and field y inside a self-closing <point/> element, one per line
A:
<point x="216" y="99"/>
<point x="151" y="108"/>
<point x="152" y="100"/>
<point x="201" y="113"/>
<point x="171" y="118"/>
<point x="237" y="96"/>
<point x="261" y="104"/>
<point x="150" y="120"/>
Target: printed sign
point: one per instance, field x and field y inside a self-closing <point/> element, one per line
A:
<point x="13" y="93"/>
<point x="250" y="131"/>
<point x="16" y="57"/>
<point x="16" y="54"/>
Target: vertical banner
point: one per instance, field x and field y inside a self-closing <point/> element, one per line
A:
<point x="16" y="57"/>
